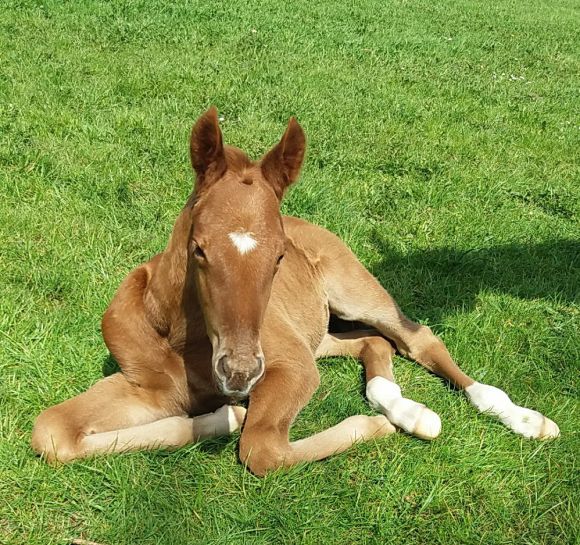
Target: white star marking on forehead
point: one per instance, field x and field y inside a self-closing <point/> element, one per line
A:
<point x="244" y="242"/>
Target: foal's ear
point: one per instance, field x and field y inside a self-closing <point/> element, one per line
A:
<point x="281" y="165"/>
<point x="206" y="149"/>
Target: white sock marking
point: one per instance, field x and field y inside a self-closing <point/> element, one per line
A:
<point x="244" y="242"/>
<point x="385" y="397"/>
<point x="492" y="400"/>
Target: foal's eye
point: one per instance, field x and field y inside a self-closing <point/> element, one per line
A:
<point x="279" y="260"/>
<point x="198" y="252"/>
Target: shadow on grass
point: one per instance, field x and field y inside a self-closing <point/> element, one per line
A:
<point x="431" y="284"/>
<point x="215" y="445"/>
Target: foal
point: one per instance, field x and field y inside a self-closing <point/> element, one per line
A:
<point x="238" y="306"/>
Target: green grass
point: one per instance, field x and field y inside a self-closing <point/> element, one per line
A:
<point x="443" y="148"/>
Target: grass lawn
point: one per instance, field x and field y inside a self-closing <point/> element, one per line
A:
<point x="443" y="148"/>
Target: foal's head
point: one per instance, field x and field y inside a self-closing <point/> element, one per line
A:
<point x="237" y="243"/>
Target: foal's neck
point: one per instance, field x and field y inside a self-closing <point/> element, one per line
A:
<point x="171" y="298"/>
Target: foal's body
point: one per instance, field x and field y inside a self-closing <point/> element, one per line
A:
<point x="187" y="352"/>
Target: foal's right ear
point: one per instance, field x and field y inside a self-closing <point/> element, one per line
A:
<point x="206" y="149"/>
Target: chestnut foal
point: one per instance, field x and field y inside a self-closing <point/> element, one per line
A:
<point x="238" y="306"/>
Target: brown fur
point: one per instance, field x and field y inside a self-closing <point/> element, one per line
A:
<point x="171" y="316"/>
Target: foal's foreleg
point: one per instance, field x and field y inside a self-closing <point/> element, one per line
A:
<point x="354" y="294"/>
<point x="275" y="402"/>
<point x="383" y="393"/>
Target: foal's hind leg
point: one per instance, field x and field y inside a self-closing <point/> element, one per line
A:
<point x="354" y="294"/>
<point x="170" y="432"/>
<point x="383" y="394"/>
<point x="115" y="415"/>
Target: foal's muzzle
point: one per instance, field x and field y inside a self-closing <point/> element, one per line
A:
<point x="236" y="377"/>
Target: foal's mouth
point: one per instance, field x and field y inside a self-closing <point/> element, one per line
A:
<point x="238" y="394"/>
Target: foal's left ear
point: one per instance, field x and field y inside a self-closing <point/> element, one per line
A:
<point x="281" y="165"/>
<point x="207" y="149"/>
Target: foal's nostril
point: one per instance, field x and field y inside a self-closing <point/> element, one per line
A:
<point x="221" y="367"/>
<point x="258" y="370"/>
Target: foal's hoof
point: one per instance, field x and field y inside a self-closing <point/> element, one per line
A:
<point x="550" y="430"/>
<point x="531" y="424"/>
<point x="235" y="415"/>
<point x="414" y="418"/>
<point x="428" y="425"/>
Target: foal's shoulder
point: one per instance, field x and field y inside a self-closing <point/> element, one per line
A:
<point x="130" y="293"/>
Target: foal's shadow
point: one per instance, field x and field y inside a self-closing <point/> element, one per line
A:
<point x="432" y="284"/>
<point x="215" y="445"/>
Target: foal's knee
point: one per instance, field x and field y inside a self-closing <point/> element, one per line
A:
<point x="52" y="437"/>
<point x="420" y="342"/>
<point x="378" y="346"/>
<point x="261" y="458"/>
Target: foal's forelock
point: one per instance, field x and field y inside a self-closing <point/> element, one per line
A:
<point x="237" y="244"/>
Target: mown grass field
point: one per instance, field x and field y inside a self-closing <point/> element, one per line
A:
<point x="443" y="148"/>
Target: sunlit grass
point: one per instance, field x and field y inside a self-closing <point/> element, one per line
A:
<point x="443" y="144"/>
